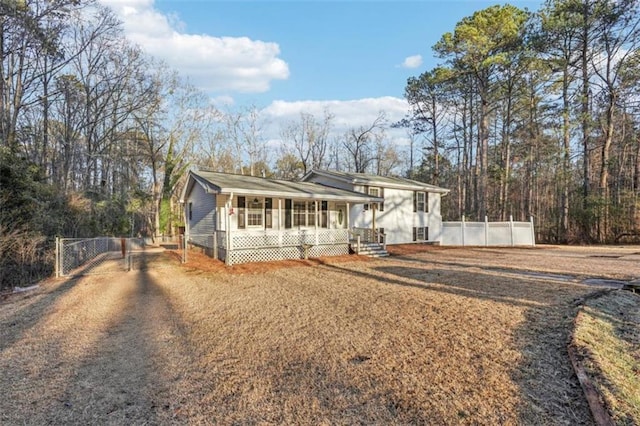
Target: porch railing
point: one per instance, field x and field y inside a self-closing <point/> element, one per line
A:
<point x="359" y="236"/>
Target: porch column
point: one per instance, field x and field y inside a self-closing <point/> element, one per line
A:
<point x="280" y="222"/>
<point x="229" y="206"/>
<point x="348" y="221"/>
<point x="315" y="215"/>
<point x="374" y="207"/>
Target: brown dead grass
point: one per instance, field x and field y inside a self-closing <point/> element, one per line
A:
<point x="607" y="341"/>
<point x="394" y="341"/>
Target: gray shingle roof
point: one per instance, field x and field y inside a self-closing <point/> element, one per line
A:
<point x="374" y="180"/>
<point x="226" y="183"/>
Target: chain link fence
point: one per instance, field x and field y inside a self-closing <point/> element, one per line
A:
<point x="72" y="253"/>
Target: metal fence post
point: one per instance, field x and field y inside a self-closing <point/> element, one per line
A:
<point x="57" y="264"/>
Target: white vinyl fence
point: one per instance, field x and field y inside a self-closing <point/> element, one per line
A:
<point x="488" y="233"/>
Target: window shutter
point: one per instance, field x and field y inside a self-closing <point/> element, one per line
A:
<point x="426" y="202"/>
<point x="287" y="213"/>
<point x="426" y="233"/>
<point x="190" y="211"/>
<point x="241" y="206"/>
<point x="382" y="196"/>
<point x="415" y="206"/>
<point x="415" y="234"/>
<point x="268" y="216"/>
<point x="366" y="191"/>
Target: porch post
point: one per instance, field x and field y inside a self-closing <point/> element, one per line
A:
<point x="227" y="257"/>
<point x="348" y="219"/>
<point x="374" y="236"/>
<point x="315" y="215"/>
<point x="280" y="223"/>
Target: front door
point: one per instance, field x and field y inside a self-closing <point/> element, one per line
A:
<point x="341" y="216"/>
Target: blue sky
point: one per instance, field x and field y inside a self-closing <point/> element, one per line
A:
<point x="287" y="57"/>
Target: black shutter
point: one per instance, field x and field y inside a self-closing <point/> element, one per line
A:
<point x="426" y="233"/>
<point x="426" y="201"/>
<point x="268" y="206"/>
<point x="366" y="191"/>
<point x="241" y="206"/>
<point x="415" y="234"/>
<point x="415" y="205"/>
<point x="287" y="213"/>
<point x="190" y="211"/>
<point x="382" y="196"/>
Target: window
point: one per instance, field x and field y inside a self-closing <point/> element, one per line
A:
<point x="376" y="192"/>
<point x="421" y="233"/>
<point x="304" y="213"/>
<point x="299" y="213"/>
<point x="190" y="211"/>
<point x="254" y="213"/>
<point x="420" y="203"/>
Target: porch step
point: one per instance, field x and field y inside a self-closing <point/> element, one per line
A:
<point x="370" y="249"/>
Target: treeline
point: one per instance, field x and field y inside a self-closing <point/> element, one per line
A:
<point x="537" y="114"/>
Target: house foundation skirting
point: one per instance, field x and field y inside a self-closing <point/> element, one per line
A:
<point x="283" y="253"/>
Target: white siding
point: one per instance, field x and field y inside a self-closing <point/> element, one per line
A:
<point x="398" y="218"/>
<point x="203" y="212"/>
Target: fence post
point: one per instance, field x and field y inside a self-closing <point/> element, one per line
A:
<point x="533" y="232"/>
<point x="462" y="230"/>
<point x="358" y="244"/>
<point x="511" y="228"/>
<point x="57" y="265"/>
<point x="486" y="231"/>
<point x="215" y="245"/>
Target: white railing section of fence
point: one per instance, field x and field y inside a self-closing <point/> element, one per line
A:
<point x="487" y="233"/>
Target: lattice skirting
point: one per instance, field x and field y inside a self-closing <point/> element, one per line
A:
<point x="282" y="253"/>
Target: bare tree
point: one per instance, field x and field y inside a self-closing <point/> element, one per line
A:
<point x="309" y="139"/>
<point x="359" y="143"/>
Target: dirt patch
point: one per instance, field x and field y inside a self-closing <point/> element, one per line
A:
<point x="201" y="262"/>
<point x="393" y="341"/>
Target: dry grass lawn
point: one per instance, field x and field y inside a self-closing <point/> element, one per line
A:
<point x="607" y="340"/>
<point x="420" y="338"/>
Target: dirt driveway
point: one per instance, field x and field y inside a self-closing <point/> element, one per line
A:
<point x="418" y="338"/>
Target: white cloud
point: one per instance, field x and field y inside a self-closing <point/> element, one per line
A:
<point x="347" y="114"/>
<point x="412" y="61"/>
<point x="228" y="64"/>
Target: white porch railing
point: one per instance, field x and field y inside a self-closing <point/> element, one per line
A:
<point x="247" y="246"/>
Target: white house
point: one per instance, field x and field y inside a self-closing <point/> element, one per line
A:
<point x="242" y="219"/>
<point x="409" y="210"/>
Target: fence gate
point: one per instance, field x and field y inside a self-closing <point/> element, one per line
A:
<point x="95" y="255"/>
